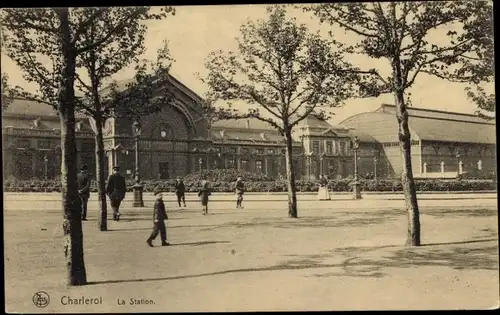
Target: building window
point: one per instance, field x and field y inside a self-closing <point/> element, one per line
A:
<point x="329" y="148"/>
<point x="232" y="163"/>
<point x="342" y="147"/>
<point x="87" y="146"/>
<point x="232" y="150"/>
<point x="270" y="151"/>
<point x="245" y="151"/>
<point x="163" y="170"/>
<point x="166" y="132"/>
<point x="260" y="151"/>
<point x="244" y="165"/>
<point x="258" y="166"/>
<point x="23" y="143"/>
<point x="44" y="144"/>
<point x="315" y="147"/>
<point x="348" y="147"/>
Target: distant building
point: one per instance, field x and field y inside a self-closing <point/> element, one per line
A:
<point x="437" y="137"/>
<point x="179" y="140"/>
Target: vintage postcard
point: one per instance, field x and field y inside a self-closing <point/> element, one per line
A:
<point x="293" y="157"/>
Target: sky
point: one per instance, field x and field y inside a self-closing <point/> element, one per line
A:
<point x="195" y="31"/>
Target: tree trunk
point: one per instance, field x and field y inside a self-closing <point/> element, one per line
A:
<point x="410" y="193"/>
<point x="290" y="177"/>
<point x="72" y="220"/>
<point x="99" y="169"/>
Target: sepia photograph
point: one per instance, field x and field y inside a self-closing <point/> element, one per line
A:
<point x="335" y="156"/>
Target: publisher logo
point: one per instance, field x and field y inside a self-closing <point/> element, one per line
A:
<point x="41" y="299"/>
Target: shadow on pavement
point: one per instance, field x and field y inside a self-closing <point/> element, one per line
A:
<point x="355" y="262"/>
<point x="338" y="219"/>
<point x="464" y="242"/>
<point x="125" y="230"/>
<point x="200" y="243"/>
<point x="462" y="212"/>
<point x="482" y="257"/>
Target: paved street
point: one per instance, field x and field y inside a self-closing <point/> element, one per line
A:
<point x="339" y="255"/>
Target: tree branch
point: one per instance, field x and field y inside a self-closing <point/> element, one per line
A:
<point x="106" y="37"/>
<point x="256" y="115"/>
<point x="25" y="24"/>
<point x="266" y="106"/>
<point x="84" y="25"/>
<point x="85" y="85"/>
<point x="33" y="63"/>
<point x="349" y="27"/>
<point x="304" y="116"/>
<point x="296" y="109"/>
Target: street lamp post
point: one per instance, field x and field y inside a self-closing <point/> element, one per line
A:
<point x="200" y="162"/>
<point x="356" y="185"/>
<point x="137" y="188"/>
<point x="457" y="155"/>
<point x="375" y="161"/>
<point x="46" y="166"/>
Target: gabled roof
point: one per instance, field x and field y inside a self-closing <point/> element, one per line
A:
<point x="314" y="122"/>
<point x="122" y="85"/>
<point x="20" y="107"/>
<point x="424" y="124"/>
<point x="435" y="114"/>
<point x="362" y="136"/>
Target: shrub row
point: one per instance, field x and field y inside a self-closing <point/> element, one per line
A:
<point x="226" y="175"/>
<point x="342" y="185"/>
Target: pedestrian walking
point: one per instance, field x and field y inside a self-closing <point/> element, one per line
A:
<point x="323" y="193"/>
<point x="180" y="190"/>
<point x="204" y="193"/>
<point x="239" y="190"/>
<point x="83" y="182"/>
<point x="159" y="217"/>
<point x="116" y="190"/>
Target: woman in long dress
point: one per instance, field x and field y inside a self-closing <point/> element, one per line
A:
<point x="323" y="193"/>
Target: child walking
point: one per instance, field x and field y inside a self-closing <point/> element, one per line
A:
<point x="203" y="194"/>
<point x="240" y="190"/>
<point x="159" y="215"/>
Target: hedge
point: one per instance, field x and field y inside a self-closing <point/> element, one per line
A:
<point x="342" y="185"/>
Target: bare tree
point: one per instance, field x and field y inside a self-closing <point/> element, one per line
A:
<point x="401" y="33"/>
<point x="45" y="44"/>
<point x="283" y="70"/>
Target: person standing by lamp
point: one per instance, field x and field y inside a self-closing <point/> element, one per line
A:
<point x="83" y="181"/>
<point x="116" y="190"/>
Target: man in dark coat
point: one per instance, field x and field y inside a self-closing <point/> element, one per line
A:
<point x="179" y="191"/>
<point x="116" y="190"/>
<point x="83" y="182"/>
<point x="159" y="217"/>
